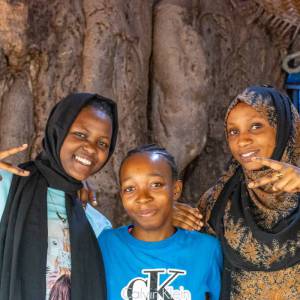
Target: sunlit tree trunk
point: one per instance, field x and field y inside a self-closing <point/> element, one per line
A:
<point x="171" y="65"/>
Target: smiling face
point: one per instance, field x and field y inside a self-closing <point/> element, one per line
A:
<point x="249" y="134"/>
<point x="148" y="191"/>
<point x="86" y="146"/>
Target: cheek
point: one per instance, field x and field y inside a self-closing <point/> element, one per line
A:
<point x="102" y="157"/>
<point x="270" y="150"/>
<point x="167" y="201"/>
<point x="66" y="148"/>
<point x="232" y="145"/>
<point x="127" y="204"/>
<point x="63" y="154"/>
<point x="129" y="209"/>
<point x="270" y="142"/>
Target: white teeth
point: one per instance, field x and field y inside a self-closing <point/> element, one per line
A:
<point x="247" y="154"/>
<point x="82" y="160"/>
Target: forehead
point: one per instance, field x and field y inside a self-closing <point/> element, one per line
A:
<point x="90" y="110"/>
<point x="243" y="112"/>
<point x="90" y="115"/>
<point x="261" y="103"/>
<point x="148" y="163"/>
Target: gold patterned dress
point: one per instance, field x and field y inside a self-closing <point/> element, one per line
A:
<point x="259" y="229"/>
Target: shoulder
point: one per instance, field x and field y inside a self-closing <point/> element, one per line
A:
<point x="96" y="215"/>
<point x="6" y="178"/>
<point x="112" y="232"/>
<point x="206" y="199"/>
<point x="5" y="184"/>
<point x="97" y="220"/>
<point x="201" y="240"/>
<point x="204" y="246"/>
<point x="111" y="236"/>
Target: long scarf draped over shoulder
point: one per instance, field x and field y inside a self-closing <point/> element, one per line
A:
<point x="23" y="227"/>
<point x="259" y="230"/>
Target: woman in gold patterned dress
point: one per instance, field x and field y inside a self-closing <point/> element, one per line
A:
<point x="254" y="207"/>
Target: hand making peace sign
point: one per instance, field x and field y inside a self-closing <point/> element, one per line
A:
<point x="285" y="178"/>
<point x="9" y="167"/>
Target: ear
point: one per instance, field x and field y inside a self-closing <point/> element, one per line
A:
<point x="177" y="190"/>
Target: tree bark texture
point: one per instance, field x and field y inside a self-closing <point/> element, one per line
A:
<point x="172" y="66"/>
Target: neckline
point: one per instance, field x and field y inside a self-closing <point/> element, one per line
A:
<point x="59" y="208"/>
<point x="150" y="245"/>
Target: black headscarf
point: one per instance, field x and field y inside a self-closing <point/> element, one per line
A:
<point x="256" y="237"/>
<point x="23" y="227"/>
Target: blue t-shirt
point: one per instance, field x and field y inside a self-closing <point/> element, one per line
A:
<point x="185" y="266"/>
<point x="58" y="253"/>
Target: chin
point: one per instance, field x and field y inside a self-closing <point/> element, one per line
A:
<point x="79" y="177"/>
<point x="252" y="166"/>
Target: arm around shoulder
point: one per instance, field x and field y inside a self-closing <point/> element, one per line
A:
<point x="97" y="220"/>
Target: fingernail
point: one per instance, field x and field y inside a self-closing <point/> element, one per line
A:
<point x="251" y="185"/>
<point x="94" y="203"/>
<point x="24" y="145"/>
<point x="200" y="225"/>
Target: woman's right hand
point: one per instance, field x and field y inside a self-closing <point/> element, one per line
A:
<point x="87" y="195"/>
<point x="9" y="167"/>
<point x="187" y="217"/>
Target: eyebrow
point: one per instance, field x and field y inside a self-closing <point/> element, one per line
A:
<point x="80" y="127"/>
<point x="252" y="119"/>
<point x="151" y="174"/>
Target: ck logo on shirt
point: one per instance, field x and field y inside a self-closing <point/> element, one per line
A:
<point x="152" y="287"/>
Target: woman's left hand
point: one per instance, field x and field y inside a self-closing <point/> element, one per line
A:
<point x="186" y="217"/>
<point x="285" y="178"/>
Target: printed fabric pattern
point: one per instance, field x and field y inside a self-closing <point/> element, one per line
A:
<point x="259" y="229"/>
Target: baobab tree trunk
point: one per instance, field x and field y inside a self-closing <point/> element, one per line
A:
<point x="171" y="65"/>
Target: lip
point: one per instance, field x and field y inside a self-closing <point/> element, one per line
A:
<point x="83" y="159"/>
<point x="246" y="156"/>
<point x="146" y="213"/>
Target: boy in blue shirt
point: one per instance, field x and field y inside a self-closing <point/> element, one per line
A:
<point x="151" y="259"/>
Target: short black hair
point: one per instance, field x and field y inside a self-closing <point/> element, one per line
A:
<point x="155" y="149"/>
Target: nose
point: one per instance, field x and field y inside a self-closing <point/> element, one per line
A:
<point x="90" y="147"/>
<point x="244" y="139"/>
<point x="144" y="196"/>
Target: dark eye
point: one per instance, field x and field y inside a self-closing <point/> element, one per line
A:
<point x="256" y="126"/>
<point x="80" y="135"/>
<point x="102" y="144"/>
<point x="156" y="185"/>
<point x="129" y="189"/>
<point x="232" y="132"/>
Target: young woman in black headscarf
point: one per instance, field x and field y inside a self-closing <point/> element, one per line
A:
<point x="254" y="207"/>
<point x="45" y="235"/>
